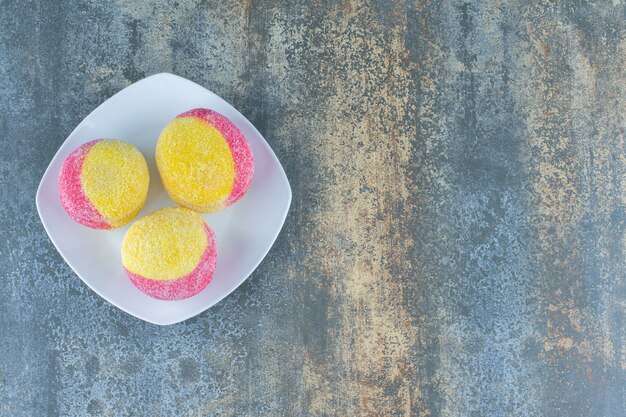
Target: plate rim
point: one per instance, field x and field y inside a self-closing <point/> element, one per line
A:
<point x="201" y="309"/>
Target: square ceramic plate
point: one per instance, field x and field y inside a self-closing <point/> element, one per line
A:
<point x="245" y="231"/>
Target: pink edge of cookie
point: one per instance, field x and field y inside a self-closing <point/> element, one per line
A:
<point x="184" y="287"/>
<point x="239" y="149"/>
<point x="71" y="192"/>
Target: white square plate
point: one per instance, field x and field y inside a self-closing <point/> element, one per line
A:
<point x="245" y="231"/>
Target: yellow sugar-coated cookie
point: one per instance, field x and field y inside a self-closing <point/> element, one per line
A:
<point x="170" y="254"/>
<point x="205" y="162"/>
<point x="104" y="183"/>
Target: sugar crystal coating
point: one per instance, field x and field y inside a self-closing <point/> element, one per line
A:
<point x="170" y="254"/>
<point x="104" y="183"/>
<point x="204" y="160"/>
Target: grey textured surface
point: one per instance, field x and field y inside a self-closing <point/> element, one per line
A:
<point x="456" y="240"/>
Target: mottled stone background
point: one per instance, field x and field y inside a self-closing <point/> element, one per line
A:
<point x="456" y="242"/>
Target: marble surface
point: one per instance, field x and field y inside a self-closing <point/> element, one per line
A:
<point x="455" y="245"/>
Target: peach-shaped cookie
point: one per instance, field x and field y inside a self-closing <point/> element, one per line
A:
<point x="104" y="183"/>
<point x="204" y="160"/>
<point x="170" y="254"/>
